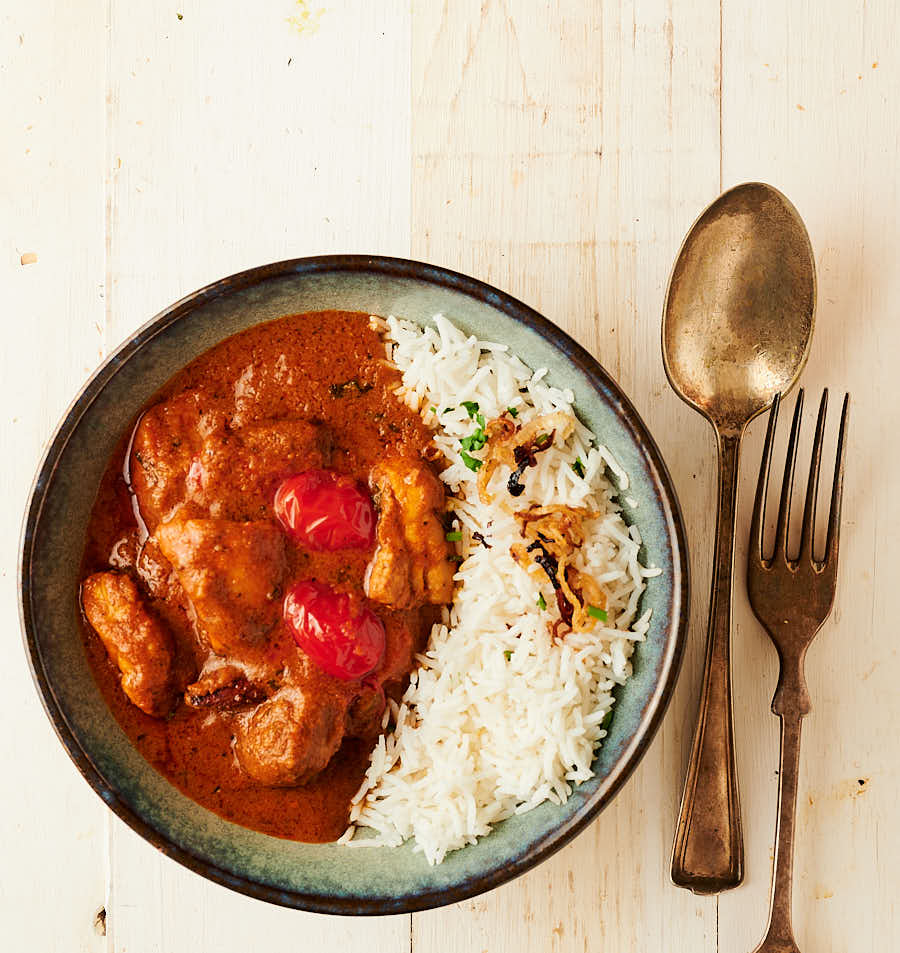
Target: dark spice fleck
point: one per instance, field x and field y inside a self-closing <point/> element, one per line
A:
<point x="351" y="388"/>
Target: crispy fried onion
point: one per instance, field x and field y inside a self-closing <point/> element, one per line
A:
<point x="553" y="536"/>
<point x="515" y="447"/>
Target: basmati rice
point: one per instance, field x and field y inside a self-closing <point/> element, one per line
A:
<point x="499" y="716"/>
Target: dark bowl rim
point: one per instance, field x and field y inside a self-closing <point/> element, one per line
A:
<point x="653" y="711"/>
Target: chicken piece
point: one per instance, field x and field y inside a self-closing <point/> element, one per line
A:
<point x="167" y="438"/>
<point x="225" y="689"/>
<point x="139" y="644"/>
<point x="231" y="573"/>
<point x="400" y="648"/>
<point x="291" y="737"/>
<point x="235" y="474"/>
<point x="156" y="574"/>
<point x="412" y="564"/>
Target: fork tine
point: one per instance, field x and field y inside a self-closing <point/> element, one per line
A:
<point x="837" y="489"/>
<point x="784" y="510"/>
<point x="758" y="523"/>
<point x="807" y="533"/>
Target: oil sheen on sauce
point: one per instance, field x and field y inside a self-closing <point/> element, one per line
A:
<point x="327" y="366"/>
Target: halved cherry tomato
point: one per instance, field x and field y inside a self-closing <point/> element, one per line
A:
<point x="344" y="641"/>
<point x="325" y="510"/>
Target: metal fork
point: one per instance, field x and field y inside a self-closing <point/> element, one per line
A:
<point x="792" y="598"/>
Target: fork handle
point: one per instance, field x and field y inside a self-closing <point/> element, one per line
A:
<point x="779" y="936"/>
<point x="708" y="855"/>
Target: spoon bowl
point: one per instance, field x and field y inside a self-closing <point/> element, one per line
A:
<point x="740" y="307"/>
<point x="736" y="331"/>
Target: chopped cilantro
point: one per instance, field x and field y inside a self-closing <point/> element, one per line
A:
<point x="507" y="654"/>
<point x="542" y="440"/>
<point x="479" y="419"/>
<point x="471" y="407"/>
<point x="541" y="602"/>
<point x="474" y="441"/>
<point x="473" y="464"/>
<point x="434" y="410"/>
<point x="578" y="467"/>
<point x="512" y="412"/>
<point x="607" y="719"/>
<point x="453" y="537"/>
<point x="598" y="613"/>
<point x="447" y="410"/>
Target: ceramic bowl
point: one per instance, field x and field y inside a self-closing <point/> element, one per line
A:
<point x="325" y="877"/>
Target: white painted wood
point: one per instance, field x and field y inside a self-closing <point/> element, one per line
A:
<point x="809" y="105"/>
<point x="51" y="209"/>
<point x="559" y="150"/>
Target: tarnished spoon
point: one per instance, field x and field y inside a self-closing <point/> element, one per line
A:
<point x="736" y="330"/>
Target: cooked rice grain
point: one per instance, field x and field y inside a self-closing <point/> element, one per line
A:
<point x="499" y="716"/>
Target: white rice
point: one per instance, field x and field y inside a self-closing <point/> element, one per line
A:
<point x="499" y="716"/>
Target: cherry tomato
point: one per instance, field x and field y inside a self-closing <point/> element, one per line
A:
<point x="324" y="510"/>
<point x="345" y="642"/>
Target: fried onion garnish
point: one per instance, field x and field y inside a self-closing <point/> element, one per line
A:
<point x="554" y="534"/>
<point x="515" y="446"/>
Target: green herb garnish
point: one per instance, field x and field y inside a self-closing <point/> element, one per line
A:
<point x="434" y="410"/>
<point x="471" y="407"/>
<point x="578" y="467"/>
<point x="507" y="654"/>
<point x="474" y="441"/>
<point x="598" y="613"/>
<point x="479" y="419"/>
<point x="447" y="410"/>
<point x="607" y="719"/>
<point x="541" y="602"/>
<point x="512" y="412"/>
<point x="454" y="536"/>
<point x="473" y="464"/>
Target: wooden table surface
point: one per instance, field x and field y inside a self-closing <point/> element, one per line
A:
<point x="559" y="150"/>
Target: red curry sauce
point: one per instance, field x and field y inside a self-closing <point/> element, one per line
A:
<point x="327" y="366"/>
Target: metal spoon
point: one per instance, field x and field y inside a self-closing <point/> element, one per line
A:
<point x="736" y="330"/>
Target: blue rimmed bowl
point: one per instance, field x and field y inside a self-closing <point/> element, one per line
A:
<point x="324" y="877"/>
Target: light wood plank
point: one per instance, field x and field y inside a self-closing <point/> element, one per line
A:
<point x="51" y="164"/>
<point x="235" y="139"/>
<point x="560" y="152"/>
<point x="810" y="106"/>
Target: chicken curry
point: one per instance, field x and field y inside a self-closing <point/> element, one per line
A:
<point x="265" y="556"/>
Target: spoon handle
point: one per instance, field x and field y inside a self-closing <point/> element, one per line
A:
<point x="709" y="850"/>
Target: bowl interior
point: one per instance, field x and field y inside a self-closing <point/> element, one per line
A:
<point x="327" y="877"/>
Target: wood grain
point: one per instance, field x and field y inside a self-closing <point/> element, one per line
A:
<point x="810" y="113"/>
<point x="561" y="154"/>
<point x="51" y="309"/>
<point x="560" y="151"/>
<point x="230" y="143"/>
